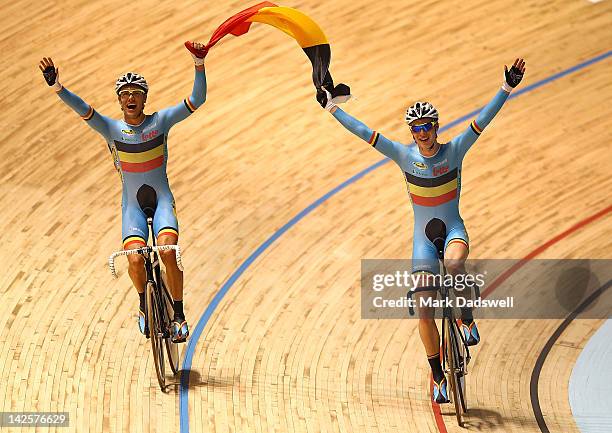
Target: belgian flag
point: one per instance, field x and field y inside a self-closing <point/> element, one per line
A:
<point x="296" y="24"/>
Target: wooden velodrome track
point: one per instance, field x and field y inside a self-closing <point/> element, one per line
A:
<point x="286" y="349"/>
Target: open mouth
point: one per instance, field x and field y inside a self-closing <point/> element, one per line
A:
<point x="131" y="106"/>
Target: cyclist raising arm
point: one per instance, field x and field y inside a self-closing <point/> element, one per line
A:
<point x="432" y="171"/>
<point x="138" y="144"/>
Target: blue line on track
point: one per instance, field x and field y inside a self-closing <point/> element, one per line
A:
<point x="197" y="332"/>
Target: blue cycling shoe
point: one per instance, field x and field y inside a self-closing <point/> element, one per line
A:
<point x="142" y="323"/>
<point x="470" y="333"/>
<point x="180" y="330"/>
<point x="440" y="394"/>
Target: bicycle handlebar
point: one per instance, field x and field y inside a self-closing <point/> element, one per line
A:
<point x="142" y="251"/>
<point x="419" y="289"/>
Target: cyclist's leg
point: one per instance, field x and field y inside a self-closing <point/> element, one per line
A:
<point x="166" y="227"/>
<point x="456" y="248"/>
<point x="456" y="251"/>
<point x="134" y="229"/>
<point x="425" y="265"/>
<point x="455" y="254"/>
<point x="134" y="233"/>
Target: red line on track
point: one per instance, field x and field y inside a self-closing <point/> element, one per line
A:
<point x="503" y="277"/>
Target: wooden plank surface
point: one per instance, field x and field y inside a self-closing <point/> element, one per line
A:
<point x="286" y="350"/>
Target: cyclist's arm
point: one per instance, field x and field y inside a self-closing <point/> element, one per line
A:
<point x="94" y="119"/>
<point x="377" y="140"/>
<point x="471" y="134"/>
<point x="182" y="110"/>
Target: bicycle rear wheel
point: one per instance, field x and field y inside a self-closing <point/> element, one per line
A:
<point x="171" y="348"/>
<point x="451" y="361"/>
<point x="154" y="320"/>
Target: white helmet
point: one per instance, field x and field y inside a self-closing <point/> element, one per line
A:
<point x="419" y="110"/>
<point x="131" y="78"/>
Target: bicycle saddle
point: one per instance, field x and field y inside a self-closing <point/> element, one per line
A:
<point x="147" y="199"/>
<point x="435" y="230"/>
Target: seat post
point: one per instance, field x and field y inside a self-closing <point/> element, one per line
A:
<point x="150" y="224"/>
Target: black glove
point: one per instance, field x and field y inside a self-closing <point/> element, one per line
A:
<point x="50" y="74"/>
<point x="513" y="76"/>
<point x="322" y="97"/>
<point x="337" y="95"/>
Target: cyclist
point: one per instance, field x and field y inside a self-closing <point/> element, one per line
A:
<point x="432" y="171"/>
<point x="138" y="144"/>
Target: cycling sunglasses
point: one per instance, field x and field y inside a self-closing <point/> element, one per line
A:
<point x="127" y="93"/>
<point x="424" y="127"/>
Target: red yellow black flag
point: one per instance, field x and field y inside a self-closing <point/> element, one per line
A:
<point x="296" y="24"/>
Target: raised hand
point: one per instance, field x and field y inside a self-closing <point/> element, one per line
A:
<point x="324" y="98"/>
<point x="49" y="71"/>
<point x="198" y="51"/>
<point x="515" y="74"/>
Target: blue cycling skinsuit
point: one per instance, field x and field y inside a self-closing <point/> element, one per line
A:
<point x="434" y="183"/>
<point x="140" y="154"/>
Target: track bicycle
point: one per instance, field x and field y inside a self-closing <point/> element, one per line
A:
<point x="159" y="304"/>
<point x="454" y="348"/>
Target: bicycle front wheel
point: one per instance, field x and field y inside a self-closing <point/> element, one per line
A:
<point x="171" y="348"/>
<point x="452" y="362"/>
<point x="460" y="355"/>
<point x="156" y="333"/>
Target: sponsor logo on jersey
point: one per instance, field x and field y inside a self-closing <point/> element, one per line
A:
<point x="149" y="135"/>
<point x="444" y="161"/>
<point x="420" y="165"/>
<point x="128" y="131"/>
<point x="438" y="171"/>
